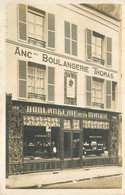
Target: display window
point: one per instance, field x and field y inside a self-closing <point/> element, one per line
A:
<point x="95" y="142"/>
<point x="41" y="142"/>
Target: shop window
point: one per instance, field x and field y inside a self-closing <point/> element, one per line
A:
<point x="70" y="38"/>
<point x="114" y="91"/>
<point x="95" y="143"/>
<point x="32" y="81"/>
<point x="96" y="44"/>
<point x="39" y="143"/>
<point x="33" y="24"/>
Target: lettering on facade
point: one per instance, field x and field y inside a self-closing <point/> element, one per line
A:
<point x="66" y="112"/>
<point x="97" y="115"/>
<point x="102" y="73"/>
<point x="65" y="63"/>
<point x="22" y="52"/>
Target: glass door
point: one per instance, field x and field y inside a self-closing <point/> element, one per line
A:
<point x="76" y="145"/>
<point x="67" y="145"/>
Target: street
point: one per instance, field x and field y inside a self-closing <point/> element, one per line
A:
<point x="114" y="182"/>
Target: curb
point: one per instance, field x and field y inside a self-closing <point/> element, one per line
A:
<point x="36" y="186"/>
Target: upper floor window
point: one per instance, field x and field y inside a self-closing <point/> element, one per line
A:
<point x="70" y="38"/>
<point x="35" y="81"/>
<point x="36" y="26"/>
<point x="98" y="48"/>
<point x="95" y="92"/>
<point x="32" y="78"/>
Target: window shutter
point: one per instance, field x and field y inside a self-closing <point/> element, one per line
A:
<point x="109" y="51"/>
<point x="51" y="30"/>
<point x="108" y="94"/>
<point x="22" y="22"/>
<point x="88" y="90"/>
<point x="74" y="40"/>
<point x="88" y="44"/>
<point x="67" y="37"/>
<point x="22" y="79"/>
<point x="51" y="83"/>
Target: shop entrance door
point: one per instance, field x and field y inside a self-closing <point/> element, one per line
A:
<point x="72" y="145"/>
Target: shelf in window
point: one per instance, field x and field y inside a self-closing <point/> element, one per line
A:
<point x="37" y="42"/>
<point x="99" y="60"/>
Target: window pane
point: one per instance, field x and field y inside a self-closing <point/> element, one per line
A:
<point x="99" y="41"/>
<point x="99" y="51"/>
<point x="39" y="30"/>
<point x="31" y="28"/>
<point x="67" y="145"/>
<point x="31" y="17"/>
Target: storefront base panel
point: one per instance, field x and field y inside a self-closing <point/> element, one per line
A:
<point x="71" y="164"/>
<point x="100" y="161"/>
<point x="41" y="166"/>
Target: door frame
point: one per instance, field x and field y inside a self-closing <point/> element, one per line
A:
<point x="80" y="131"/>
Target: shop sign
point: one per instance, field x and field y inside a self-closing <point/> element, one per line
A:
<point x="55" y="111"/>
<point x="63" y="62"/>
<point x="97" y="115"/>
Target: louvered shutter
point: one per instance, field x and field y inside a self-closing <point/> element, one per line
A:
<point x="109" y="51"/>
<point x="51" y="30"/>
<point x="88" y="90"/>
<point x="108" y="94"/>
<point x="74" y="40"/>
<point x="67" y="37"/>
<point x="22" y="22"/>
<point x="22" y="79"/>
<point x="88" y="44"/>
<point x="51" y="83"/>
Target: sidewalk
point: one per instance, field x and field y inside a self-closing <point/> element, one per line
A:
<point x="34" y="180"/>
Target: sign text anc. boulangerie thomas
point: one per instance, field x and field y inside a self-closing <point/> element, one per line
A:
<point x="64" y="63"/>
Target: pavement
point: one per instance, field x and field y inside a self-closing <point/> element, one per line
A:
<point x="42" y="179"/>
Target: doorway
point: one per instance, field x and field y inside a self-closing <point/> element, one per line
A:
<point x="72" y="148"/>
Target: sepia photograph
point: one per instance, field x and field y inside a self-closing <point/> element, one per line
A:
<point x="63" y="97"/>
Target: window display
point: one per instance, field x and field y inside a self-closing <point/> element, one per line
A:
<point x="40" y="143"/>
<point x="95" y="143"/>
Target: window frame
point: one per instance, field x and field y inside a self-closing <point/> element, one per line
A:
<point x="96" y="80"/>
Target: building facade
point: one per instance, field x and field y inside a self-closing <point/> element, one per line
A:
<point x="63" y="79"/>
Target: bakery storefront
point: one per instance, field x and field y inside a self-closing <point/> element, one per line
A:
<point x="44" y="137"/>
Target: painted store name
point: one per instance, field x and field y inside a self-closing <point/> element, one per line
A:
<point x="68" y="64"/>
<point x="65" y="112"/>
